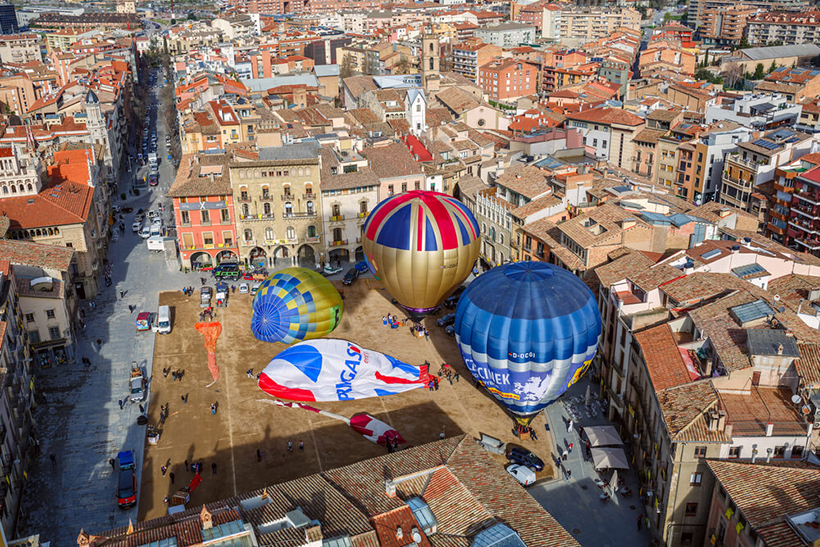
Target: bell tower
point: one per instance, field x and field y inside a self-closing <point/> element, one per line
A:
<point x="430" y="62"/>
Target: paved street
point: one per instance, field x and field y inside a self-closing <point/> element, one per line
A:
<point x="575" y="503"/>
<point x="81" y="422"/>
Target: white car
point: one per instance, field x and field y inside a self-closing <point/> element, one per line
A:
<point x="145" y="232"/>
<point x="137" y="226"/>
<point x="244" y="288"/>
<point x="523" y="474"/>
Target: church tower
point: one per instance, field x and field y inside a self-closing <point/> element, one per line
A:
<point x="430" y="62"/>
<point x="96" y="120"/>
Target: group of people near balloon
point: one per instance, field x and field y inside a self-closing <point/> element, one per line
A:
<point x="526" y="331"/>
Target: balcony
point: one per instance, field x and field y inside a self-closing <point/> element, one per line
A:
<point x="287" y="196"/>
<point x="363" y="215"/>
<point x="313" y="239"/>
<point x="243" y="199"/>
<point x="249" y="242"/>
<point x="811" y="197"/>
<point x="338" y="243"/>
<point x="309" y="195"/>
<point x="811" y="212"/>
<point x="337" y="218"/>
<point x="811" y="244"/>
<point x="267" y="197"/>
<point x="804" y="225"/>
<point x="306" y="214"/>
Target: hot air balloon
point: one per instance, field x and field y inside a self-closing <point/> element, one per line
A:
<point x="527" y="331"/>
<point x="295" y="304"/>
<point x="337" y="370"/>
<point x="421" y="245"/>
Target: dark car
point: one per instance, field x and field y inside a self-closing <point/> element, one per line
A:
<point x="153" y="180"/>
<point x="452" y="300"/>
<point x="127" y="485"/>
<point x="227" y="271"/>
<point x="525" y="457"/>
<point x="351" y="276"/>
<point x="448" y="319"/>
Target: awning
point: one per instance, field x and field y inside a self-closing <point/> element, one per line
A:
<point x="609" y="458"/>
<point x="602" y="435"/>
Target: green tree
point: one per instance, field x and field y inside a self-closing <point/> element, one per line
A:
<point x="759" y="72"/>
<point x="743" y="44"/>
<point x="705" y="59"/>
<point x="772" y="67"/>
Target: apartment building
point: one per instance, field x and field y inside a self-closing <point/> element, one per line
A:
<point x="508" y="79"/>
<point x="699" y="8"/>
<point x="608" y="133"/>
<point x="507" y="35"/>
<point x="579" y="25"/>
<point x="755" y="162"/>
<point x="724" y="25"/>
<point x="794" y="84"/>
<point x="759" y="111"/>
<point x="204" y="211"/>
<point x="795" y="215"/>
<point x="350" y="190"/>
<point x="469" y="55"/>
<point x="277" y="202"/>
<point x="20" y="48"/>
<point x="545" y="17"/>
<point x="787" y="27"/>
<point x="661" y="55"/>
<point x="711" y="148"/>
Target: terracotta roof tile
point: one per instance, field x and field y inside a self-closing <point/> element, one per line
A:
<point x="393" y="160"/>
<point x="25" y="253"/>
<point x="662" y="357"/>
<point x="607" y="116"/>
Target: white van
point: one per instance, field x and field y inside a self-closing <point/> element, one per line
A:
<point x="523" y="474"/>
<point x="164" y="320"/>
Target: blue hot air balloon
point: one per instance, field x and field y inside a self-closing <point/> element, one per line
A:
<point x="527" y="331"/>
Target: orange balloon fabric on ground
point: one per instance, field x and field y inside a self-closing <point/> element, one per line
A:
<point x="211" y="332"/>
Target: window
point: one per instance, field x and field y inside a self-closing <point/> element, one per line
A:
<point x="50" y="314"/>
<point x="266" y="209"/>
<point x="29" y="317"/>
<point x="734" y="452"/>
<point x="206" y="216"/>
<point x="779" y="451"/>
<point x="291" y="232"/>
<point x="34" y="336"/>
<point x="248" y="235"/>
<point x="797" y="452"/>
<point x="226" y="216"/>
<point x="208" y="238"/>
<point x="54" y="333"/>
<point x="700" y="451"/>
<point x="243" y="195"/>
<point x="288" y="209"/>
<point x="695" y="479"/>
<point x="363" y="208"/>
<point x="186" y="217"/>
<point x="691" y="509"/>
<point x="269" y="233"/>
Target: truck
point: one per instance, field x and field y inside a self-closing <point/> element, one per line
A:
<point x="127" y="484"/>
<point x="221" y="294"/>
<point x="156" y="243"/>
<point x="153" y="159"/>
<point x="137" y="385"/>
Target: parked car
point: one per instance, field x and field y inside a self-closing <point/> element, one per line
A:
<point x="525" y="457"/>
<point x="523" y="474"/>
<point x="244" y="288"/>
<point x="136" y="226"/>
<point x="255" y="288"/>
<point x="127" y="484"/>
<point x="145" y="232"/>
<point x="452" y="300"/>
<point x="351" y="276"/>
<point x="205" y="295"/>
<point x="445" y="320"/>
<point x="227" y="271"/>
<point x="153" y="180"/>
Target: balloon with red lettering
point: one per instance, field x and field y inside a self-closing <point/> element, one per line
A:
<point x="421" y="246"/>
<point x="337" y="370"/>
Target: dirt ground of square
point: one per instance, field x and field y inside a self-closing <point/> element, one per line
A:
<point x="247" y="420"/>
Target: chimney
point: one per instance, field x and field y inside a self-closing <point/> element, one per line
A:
<point x="735" y="249"/>
<point x="780" y="349"/>
<point x="628" y="223"/>
<point x="399" y="532"/>
<point x="769" y="429"/>
<point x="754" y="453"/>
<point x="688" y="267"/>
<point x="769" y="455"/>
<point x="390" y="488"/>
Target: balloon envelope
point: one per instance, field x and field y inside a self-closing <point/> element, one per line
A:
<point x="421" y="245"/>
<point x="295" y="304"/>
<point x="337" y="370"/>
<point x="527" y="331"/>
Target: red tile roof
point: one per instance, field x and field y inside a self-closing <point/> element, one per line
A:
<point x="57" y="204"/>
<point x="607" y="116"/>
<point x="663" y="359"/>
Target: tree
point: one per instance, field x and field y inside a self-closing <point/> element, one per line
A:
<point x="773" y="66"/>
<point x="743" y="44"/>
<point x="346" y="70"/>
<point x="705" y="74"/>
<point x="705" y="59"/>
<point x="760" y="71"/>
<point x="732" y="74"/>
<point x="402" y="66"/>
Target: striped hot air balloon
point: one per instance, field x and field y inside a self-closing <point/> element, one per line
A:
<point x="295" y="304"/>
<point x="421" y="245"/>
<point x="527" y="331"/>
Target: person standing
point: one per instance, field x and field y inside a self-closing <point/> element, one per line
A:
<point x="290" y="446"/>
<point x="564" y="455"/>
<point x="112" y="463"/>
<point x="213" y="468"/>
<point x="53" y="459"/>
<point x="301" y="446"/>
<point x="258" y="455"/>
<point x="122" y="294"/>
<point x="570" y="426"/>
<point x="164" y="470"/>
<point x="121" y="404"/>
<point x="640" y="522"/>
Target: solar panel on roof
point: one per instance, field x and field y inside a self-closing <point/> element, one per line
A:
<point x="752" y="311"/>
<point x="768" y="145"/>
<point x="711" y="254"/>
<point x="498" y="535"/>
<point x="749" y="270"/>
<point x="781" y="134"/>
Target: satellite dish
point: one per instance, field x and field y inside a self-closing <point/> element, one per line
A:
<point x="796" y="399"/>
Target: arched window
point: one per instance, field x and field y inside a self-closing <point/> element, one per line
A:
<point x="5" y="189"/>
<point x="13" y="189"/>
<point x="335" y="210"/>
<point x="432" y="66"/>
<point x="310" y="207"/>
<point x="245" y="209"/>
<point x="431" y="47"/>
<point x="307" y="171"/>
<point x="311" y="231"/>
<point x="269" y="234"/>
<point x="309" y="190"/>
<point x="266" y="209"/>
<point x="300" y="172"/>
<point x="286" y="189"/>
<point x="291" y="232"/>
<point x="56" y="231"/>
<point x="50" y="232"/>
<point x="265" y="192"/>
<point x="288" y="209"/>
<point x="29" y="187"/>
<point x="501" y="236"/>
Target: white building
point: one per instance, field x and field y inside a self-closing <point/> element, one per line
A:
<point x="415" y="110"/>
<point x="757" y="111"/>
<point x="507" y="34"/>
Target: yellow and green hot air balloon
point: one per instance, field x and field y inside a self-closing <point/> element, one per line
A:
<point x="295" y="304"/>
